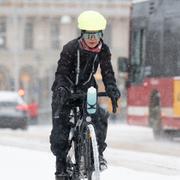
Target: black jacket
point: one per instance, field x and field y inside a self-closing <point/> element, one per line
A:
<point x="67" y="64"/>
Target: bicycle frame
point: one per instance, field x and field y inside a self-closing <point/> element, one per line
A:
<point x="82" y="139"/>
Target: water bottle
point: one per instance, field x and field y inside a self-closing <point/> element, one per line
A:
<point x="91" y="100"/>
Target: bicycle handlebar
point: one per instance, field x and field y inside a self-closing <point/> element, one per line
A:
<point x="100" y="94"/>
<point x="76" y="96"/>
<point x="82" y="95"/>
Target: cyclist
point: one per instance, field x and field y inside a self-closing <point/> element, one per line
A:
<point x="78" y="63"/>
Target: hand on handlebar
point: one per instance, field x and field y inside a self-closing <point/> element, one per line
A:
<point x="60" y="96"/>
<point x="114" y="93"/>
<point x="114" y="104"/>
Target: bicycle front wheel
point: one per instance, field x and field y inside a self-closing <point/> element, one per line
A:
<point x="93" y="154"/>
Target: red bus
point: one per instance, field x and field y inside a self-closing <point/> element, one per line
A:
<point x="153" y="84"/>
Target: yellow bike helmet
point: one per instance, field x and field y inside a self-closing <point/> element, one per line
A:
<point x="91" y="21"/>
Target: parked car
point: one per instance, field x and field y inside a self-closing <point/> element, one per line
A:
<point x="13" y="111"/>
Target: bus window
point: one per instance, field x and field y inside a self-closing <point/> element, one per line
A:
<point x="137" y="59"/>
<point x="171" y="46"/>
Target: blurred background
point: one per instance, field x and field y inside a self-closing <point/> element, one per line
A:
<point x="144" y="33"/>
<point x="32" y="34"/>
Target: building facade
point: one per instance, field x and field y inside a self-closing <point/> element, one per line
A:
<point x="33" y="32"/>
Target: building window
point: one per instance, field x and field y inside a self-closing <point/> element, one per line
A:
<point x="2" y="34"/>
<point x="29" y="35"/>
<point x="55" y="34"/>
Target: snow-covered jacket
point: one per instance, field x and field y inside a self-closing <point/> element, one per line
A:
<point x="67" y="66"/>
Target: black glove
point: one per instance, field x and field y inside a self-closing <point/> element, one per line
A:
<point x="60" y="96"/>
<point x="114" y="93"/>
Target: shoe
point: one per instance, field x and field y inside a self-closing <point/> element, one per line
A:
<point x="60" y="167"/>
<point x="62" y="176"/>
<point x="102" y="163"/>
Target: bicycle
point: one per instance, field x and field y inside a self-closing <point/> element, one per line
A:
<point x="83" y="156"/>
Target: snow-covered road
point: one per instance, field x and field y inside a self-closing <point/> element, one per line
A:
<point x="136" y="138"/>
<point x="132" y="154"/>
<point x="19" y="164"/>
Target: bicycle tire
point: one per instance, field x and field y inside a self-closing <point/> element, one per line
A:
<point x="94" y="153"/>
<point x="88" y="155"/>
<point x="82" y="145"/>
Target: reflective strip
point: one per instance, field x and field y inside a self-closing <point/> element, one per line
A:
<point x="144" y="111"/>
<point x="95" y="152"/>
<point x="92" y="72"/>
<point x="78" y="67"/>
<point x="167" y="112"/>
<point x="177" y="78"/>
<point x="138" y="110"/>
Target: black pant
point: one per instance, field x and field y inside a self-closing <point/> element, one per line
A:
<point x="61" y="128"/>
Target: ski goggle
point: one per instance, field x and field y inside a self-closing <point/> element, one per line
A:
<point x="93" y="35"/>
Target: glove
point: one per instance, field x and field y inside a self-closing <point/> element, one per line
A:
<point x="114" y="93"/>
<point x="60" y="97"/>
